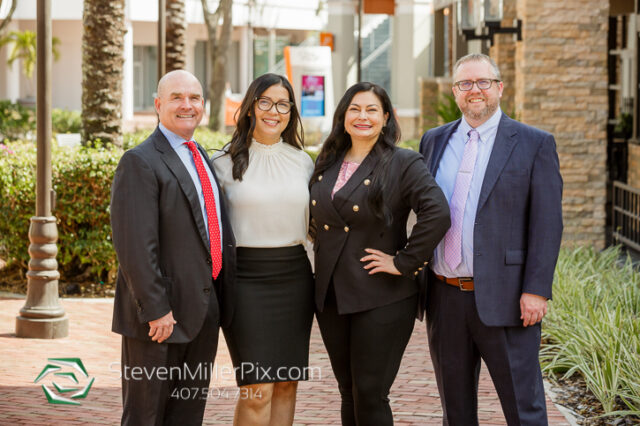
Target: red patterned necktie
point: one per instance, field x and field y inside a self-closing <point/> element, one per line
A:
<point x="212" y="214"/>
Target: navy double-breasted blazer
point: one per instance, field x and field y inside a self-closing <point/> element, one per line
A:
<point x="518" y="224"/>
<point x="346" y="225"/>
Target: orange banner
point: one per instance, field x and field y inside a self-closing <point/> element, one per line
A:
<point x="379" y="6"/>
<point x="326" y="39"/>
<point x="230" y="108"/>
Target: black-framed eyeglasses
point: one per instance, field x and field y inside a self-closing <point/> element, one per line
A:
<point x="483" y="84"/>
<point x="265" y="104"/>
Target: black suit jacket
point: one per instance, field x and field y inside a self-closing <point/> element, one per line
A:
<point x="346" y="226"/>
<point x="160" y="238"/>
<point x="518" y="226"/>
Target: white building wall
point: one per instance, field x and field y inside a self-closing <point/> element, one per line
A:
<point x="9" y="75"/>
<point x="66" y="73"/>
<point x="303" y="15"/>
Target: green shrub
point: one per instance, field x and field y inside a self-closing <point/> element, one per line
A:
<point x="593" y="327"/>
<point x="65" y="121"/>
<point x="412" y="144"/>
<point x="82" y="181"/>
<point x="16" y="121"/>
<point x="447" y="108"/>
<point x="129" y="140"/>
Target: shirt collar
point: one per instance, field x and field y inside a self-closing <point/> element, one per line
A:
<point x="485" y="128"/>
<point x="174" y="140"/>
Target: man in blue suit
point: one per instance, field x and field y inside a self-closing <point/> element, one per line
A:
<point x="491" y="275"/>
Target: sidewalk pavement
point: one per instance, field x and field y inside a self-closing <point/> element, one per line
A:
<point x="414" y="396"/>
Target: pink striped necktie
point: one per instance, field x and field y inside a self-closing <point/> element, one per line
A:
<point x="210" y="207"/>
<point x="453" y="237"/>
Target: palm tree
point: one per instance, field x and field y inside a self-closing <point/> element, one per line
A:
<point x="102" y="70"/>
<point x="219" y="44"/>
<point x="24" y="48"/>
<point x="176" y="35"/>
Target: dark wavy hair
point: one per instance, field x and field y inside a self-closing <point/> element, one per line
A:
<point x="339" y="141"/>
<point x="238" y="148"/>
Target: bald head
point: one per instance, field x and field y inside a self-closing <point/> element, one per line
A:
<point x="180" y="103"/>
<point x="176" y="76"/>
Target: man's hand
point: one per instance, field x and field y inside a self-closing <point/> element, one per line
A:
<point x="380" y="262"/>
<point x="533" y="308"/>
<point x="161" y="329"/>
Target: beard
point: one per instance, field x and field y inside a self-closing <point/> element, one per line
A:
<point x="478" y="115"/>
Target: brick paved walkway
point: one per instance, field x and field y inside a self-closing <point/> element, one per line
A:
<point x="414" y="397"/>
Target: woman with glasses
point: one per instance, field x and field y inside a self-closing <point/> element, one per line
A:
<point x="264" y="173"/>
<point x="362" y="191"/>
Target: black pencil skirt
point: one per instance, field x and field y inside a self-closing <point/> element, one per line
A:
<point x="268" y="338"/>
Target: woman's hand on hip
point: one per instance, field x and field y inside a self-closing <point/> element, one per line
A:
<point x="379" y="262"/>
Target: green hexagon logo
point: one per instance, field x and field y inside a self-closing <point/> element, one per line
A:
<point x="67" y="382"/>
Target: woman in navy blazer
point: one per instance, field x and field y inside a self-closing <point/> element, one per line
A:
<point x="362" y="191"/>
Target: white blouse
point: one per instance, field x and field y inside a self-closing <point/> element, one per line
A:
<point x="270" y="206"/>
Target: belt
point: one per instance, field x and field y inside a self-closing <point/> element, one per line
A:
<point x="464" y="284"/>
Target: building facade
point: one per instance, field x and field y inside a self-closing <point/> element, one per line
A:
<point x="260" y="30"/>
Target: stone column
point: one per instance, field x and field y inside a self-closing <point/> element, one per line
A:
<point x="246" y="57"/>
<point x="272" y="49"/>
<point x="341" y="23"/>
<point x="411" y="42"/>
<point x="561" y="87"/>
<point x="633" y="177"/>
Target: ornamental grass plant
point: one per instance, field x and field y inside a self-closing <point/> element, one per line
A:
<point x="592" y="328"/>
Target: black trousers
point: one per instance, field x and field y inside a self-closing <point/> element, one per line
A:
<point x="458" y="340"/>
<point x="167" y="383"/>
<point x="365" y="349"/>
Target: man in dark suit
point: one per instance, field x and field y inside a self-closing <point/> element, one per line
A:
<point x="176" y="254"/>
<point x="491" y="275"/>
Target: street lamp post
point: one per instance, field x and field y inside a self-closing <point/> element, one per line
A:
<point x="42" y="316"/>
<point x="482" y="20"/>
<point x="162" y="38"/>
<point x="359" y="42"/>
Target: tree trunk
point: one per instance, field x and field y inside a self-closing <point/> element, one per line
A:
<point x="176" y="35"/>
<point x="102" y="69"/>
<point x="7" y="20"/>
<point x="219" y="43"/>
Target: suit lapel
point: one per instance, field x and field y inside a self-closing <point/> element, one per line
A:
<point x="328" y="181"/>
<point x="364" y="169"/>
<point x="506" y="139"/>
<point x="440" y="144"/>
<point x="183" y="177"/>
